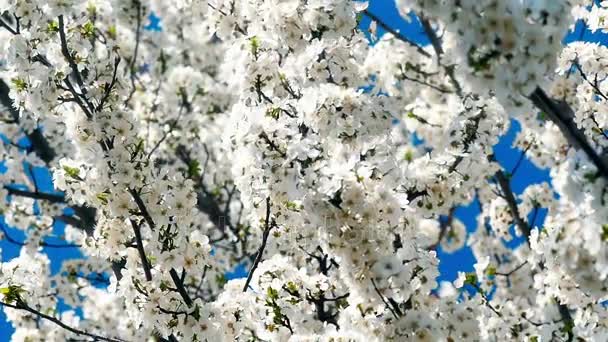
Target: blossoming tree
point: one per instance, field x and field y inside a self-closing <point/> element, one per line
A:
<point x="272" y="134"/>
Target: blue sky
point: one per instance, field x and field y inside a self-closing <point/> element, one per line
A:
<point x="450" y="263"/>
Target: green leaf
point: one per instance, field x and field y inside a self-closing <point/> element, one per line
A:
<point x="273" y="112"/>
<point x="91" y="9"/>
<point x="103" y="197"/>
<point x="359" y="18"/>
<point x="196" y="313"/>
<point x="12" y="293"/>
<point x="72" y="172"/>
<point x="52" y="27"/>
<point x="72" y="277"/>
<point x="255" y="45"/>
<point x="568" y="326"/>
<point x="19" y="83"/>
<point x="292" y="206"/>
<point x="292" y="287"/>
<point x="272" y="293"/>
<point x="139" y="148"/>
<point x="221" y="280"/>
<point x="605" y="232"/>
<point x="591" y="177"/>
<point x="112" y="32"/>
<point x="481" y="61"/>
<point x="470" y="279"/>
<point x="87" y="30"/>
<point x="194" y="169"/>
<point x="409" y="156"/>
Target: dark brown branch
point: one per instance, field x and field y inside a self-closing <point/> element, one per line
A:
<point x="72" y="63"/>
<point x="505" y="186"/>
<point x="135" y="53"/>
<point x="390" y="307"/>
<point x="436" y="43"/>
<point x="395" y="33"/>
<point x="140" y="249"/>
<point x="38" y="143"/>
<point x="258" y="257"/>
<point x="428" y="30"/>
<point x="562" y="115"/>
<point x="8" y="27"/>
<point x="53" y="198"/>
<point x="486" y="300"/>
<point x="444" y="229"/>
<point x="142" y="208"/>
<point x="180" y="287"/>
<point x="20" y="305"/>
<point x="508" y="274"/>
<point x="14" y="241"/>
<point x="109" y="87"/>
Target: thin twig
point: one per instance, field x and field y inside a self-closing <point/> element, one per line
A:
<point x="521" y="159"/>
<point x="395" y="33"/>
<point x="508" y="274"/>
<point x="388" y="306"/>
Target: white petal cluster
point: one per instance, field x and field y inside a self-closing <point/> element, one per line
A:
<point x="273" y="135"/>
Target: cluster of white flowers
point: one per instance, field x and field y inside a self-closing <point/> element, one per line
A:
<point x="272" y="134"/>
